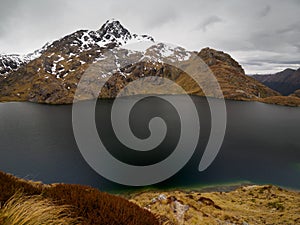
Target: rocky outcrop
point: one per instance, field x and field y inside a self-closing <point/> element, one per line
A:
<point x="231" y="77"/>
<point x="12" y="62"/>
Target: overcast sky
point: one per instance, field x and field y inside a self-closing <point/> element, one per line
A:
<point x="263" y="35"/>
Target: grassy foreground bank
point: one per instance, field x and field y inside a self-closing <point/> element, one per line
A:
<point x="33" y="203"/>
<point x="85" y="204"/>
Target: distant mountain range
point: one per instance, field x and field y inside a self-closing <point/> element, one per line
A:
<point x="51" y="74"/>
<point x="285" y="82"/>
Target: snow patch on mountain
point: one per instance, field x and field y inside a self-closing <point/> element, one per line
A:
<point x="12" y="62"/>
<point x="141" y="46"/>
<point x="167" y="52"/>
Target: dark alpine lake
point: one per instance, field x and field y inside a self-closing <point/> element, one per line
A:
<point x="261" y="144"/>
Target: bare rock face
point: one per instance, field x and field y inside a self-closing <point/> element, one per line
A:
<point x="213" y="57"/>
<point x="114" y="31"/>
<point x="10" y="63"/>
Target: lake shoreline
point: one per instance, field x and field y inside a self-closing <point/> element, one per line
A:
<point x="289" y="101"/>
<point x="238" y="204"/>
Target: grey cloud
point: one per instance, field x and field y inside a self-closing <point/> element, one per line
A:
<point x="292" y="28"/>
<point x="267" y="64"/>
<point x="265" y="11"/>
<point x="244" y="26"/>
<point x="273" y="61"/>
<point x="7" y="10"/>
<point x="253" y="63"/>
<point x="297" y="45"/>
<point x="285" y="30"/>
<point x="162" y="18"/>
<point x="209" y="22"/>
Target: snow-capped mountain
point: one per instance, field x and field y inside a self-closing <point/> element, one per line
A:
<point x="111" y="34"/>
<point x="52" y="73"/>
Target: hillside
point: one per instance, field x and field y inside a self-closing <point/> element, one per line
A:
<point x="285" y="82"/>
<point x="88" y="204"/>
<point x="244" y="206"/>
<point x="12" y="62"/>
<point x="231" y="77"/>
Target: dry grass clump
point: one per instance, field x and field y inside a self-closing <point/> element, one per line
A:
<point x="90" y="204"/>
<point x="34" y="210"/>
<point x="99" y="207"/>
<point x="282" y="100"/>
<point x="246" y="205"/>
<point x="9" y="185"/>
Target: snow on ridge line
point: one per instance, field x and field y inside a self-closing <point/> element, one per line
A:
<point x="88" y="34"/>
<point x="85" y="39"/>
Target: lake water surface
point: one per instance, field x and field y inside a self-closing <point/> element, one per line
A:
<point x="261" y="145"/>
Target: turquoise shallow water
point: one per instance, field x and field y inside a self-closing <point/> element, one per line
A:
<point x="261" y="145"/>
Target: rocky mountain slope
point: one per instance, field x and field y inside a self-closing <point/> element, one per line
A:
<point x="13" y="62"/>
<point x="53" y="75"/>
<point x="285" y="82"/>
<point x="10" y="63"/>
<point x="231" y="77"/>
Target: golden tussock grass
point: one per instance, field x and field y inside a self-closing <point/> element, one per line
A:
<point x="34" y="210"/>
<point x="91" y="205"/>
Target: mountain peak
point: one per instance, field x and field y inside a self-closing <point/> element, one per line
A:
<point x="113" y="31"/>
<point x="213" y="57"/>
<point x="111" y="34"/>
<point x="288" y="70"/>
<point x="113" y="23"/>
